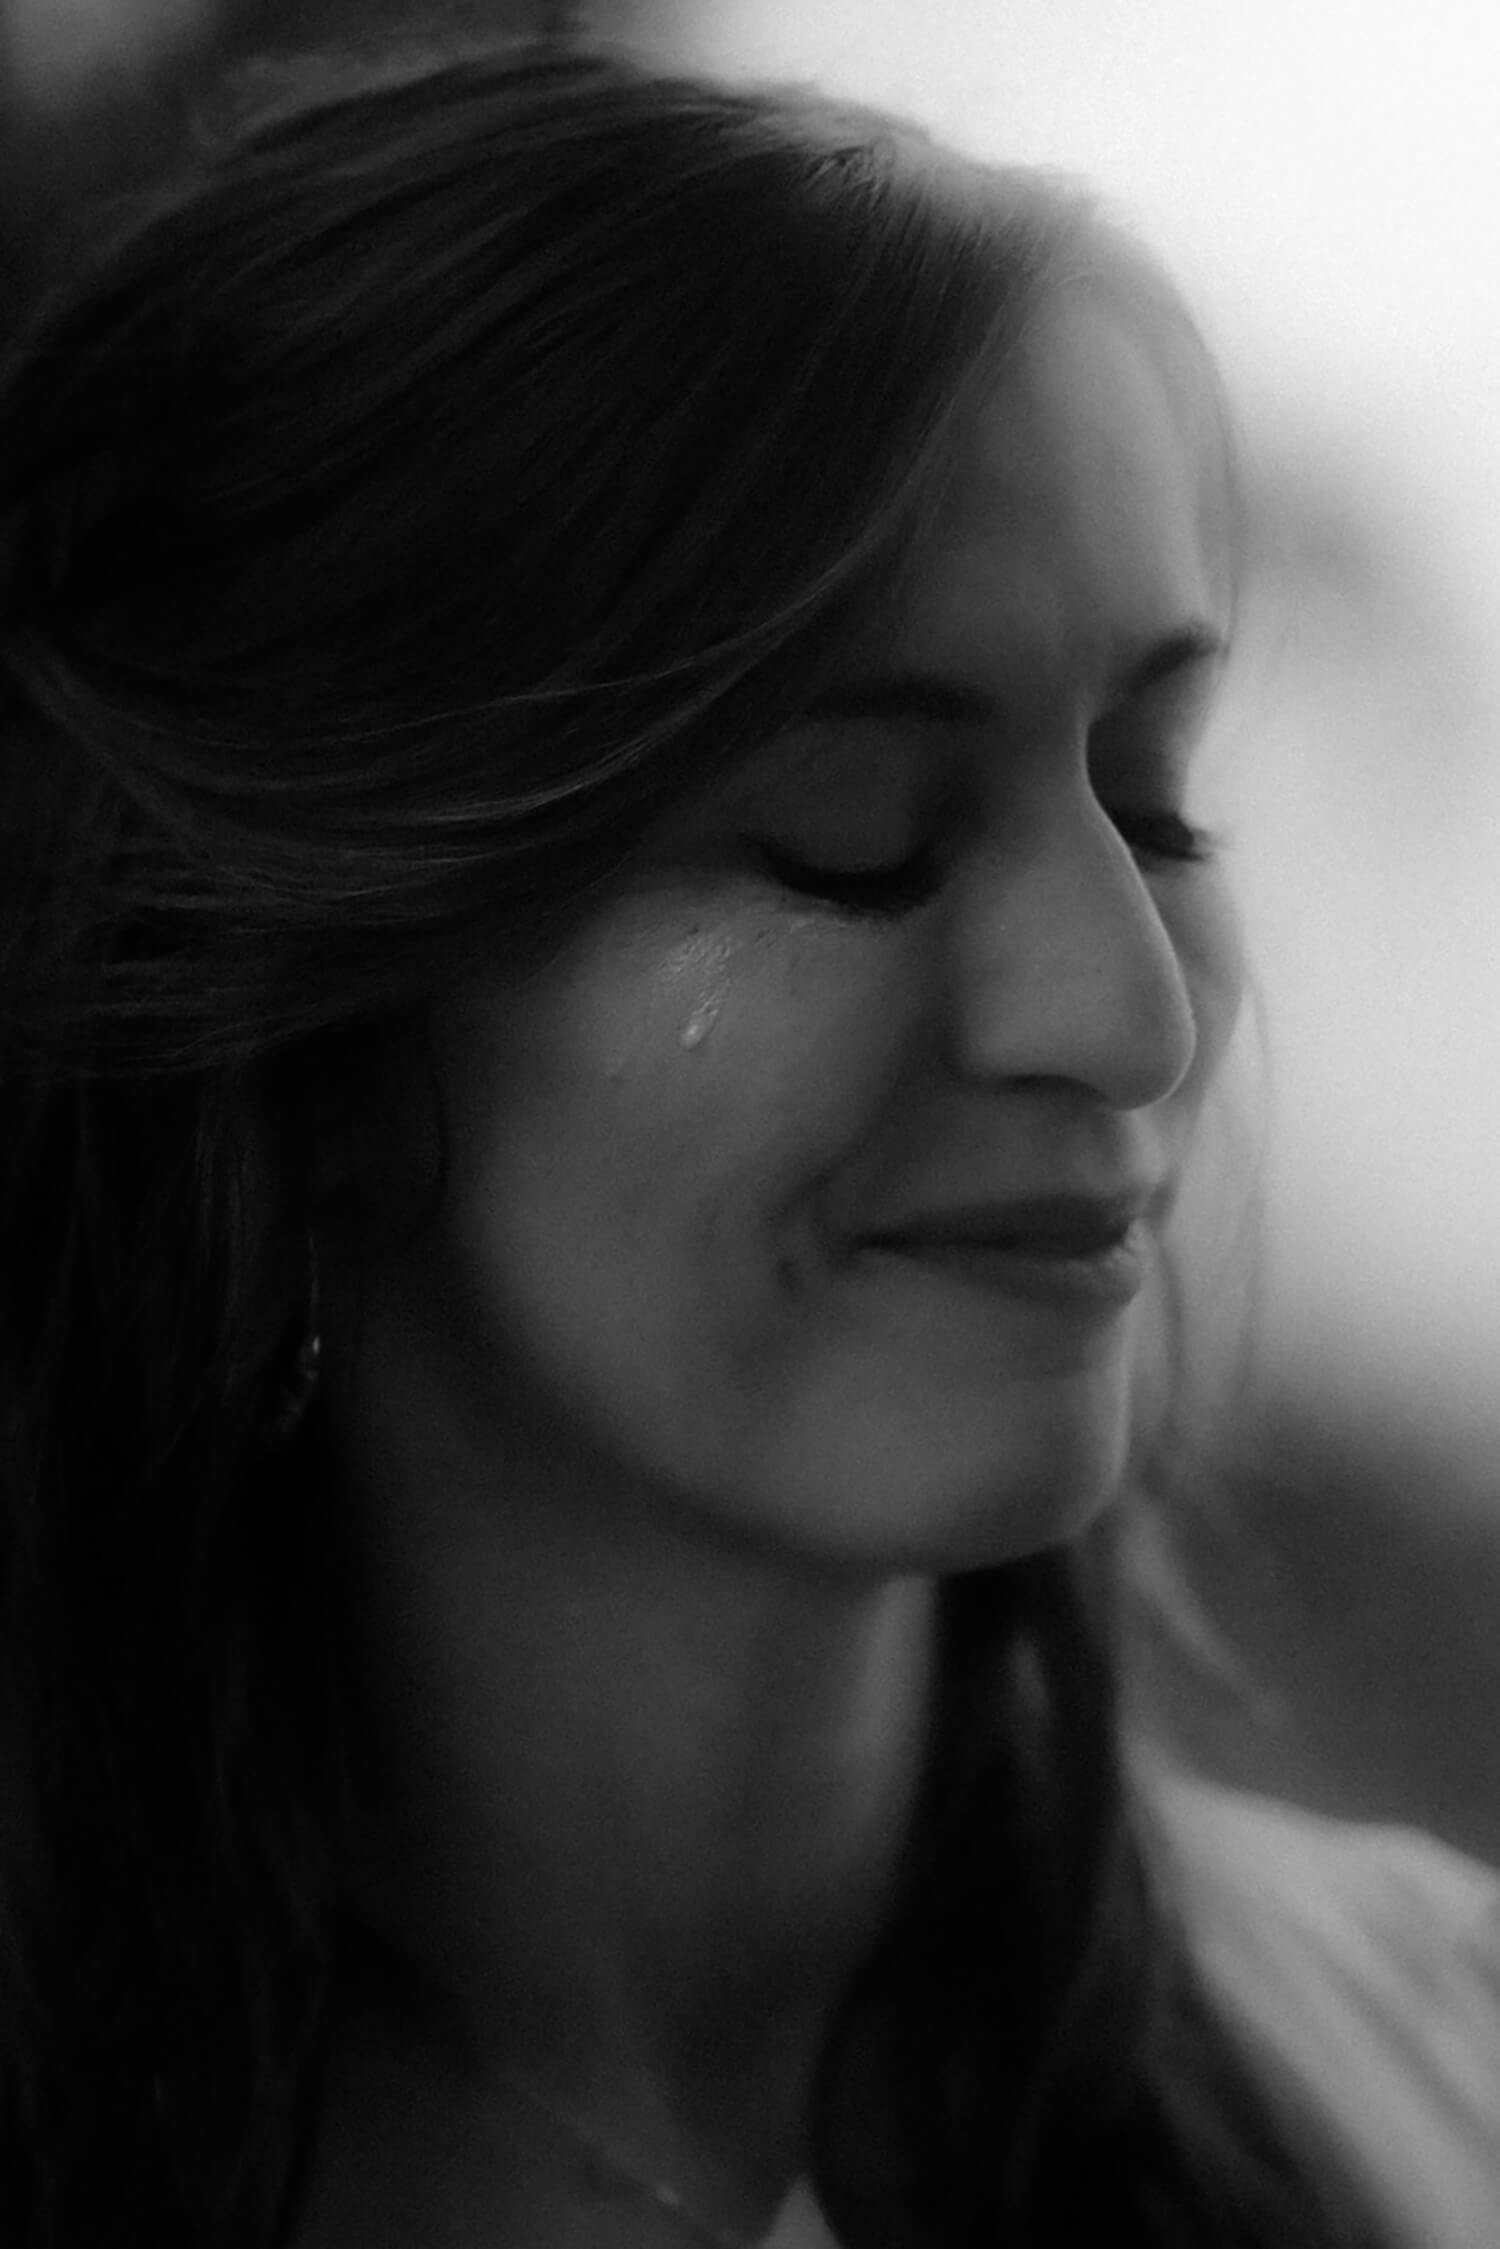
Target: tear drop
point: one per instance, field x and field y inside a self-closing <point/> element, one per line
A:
<point x="698" y="1025"/>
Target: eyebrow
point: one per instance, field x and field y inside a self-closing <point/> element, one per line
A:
<point x="943" y="701"/>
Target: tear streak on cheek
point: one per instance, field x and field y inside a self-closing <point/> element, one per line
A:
<point x="686" y="989"/>
<point x="688" y="985"/>
<point x="701" y="967"/>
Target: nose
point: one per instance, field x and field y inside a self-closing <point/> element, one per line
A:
<point x="1064" y="970"/>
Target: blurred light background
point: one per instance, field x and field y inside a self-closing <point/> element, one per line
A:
<point x="1324" y="178"/>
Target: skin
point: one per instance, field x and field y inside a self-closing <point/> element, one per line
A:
<point x="654" y="1463"/>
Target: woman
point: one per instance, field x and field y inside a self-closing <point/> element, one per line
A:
<point x="608" y="981"/>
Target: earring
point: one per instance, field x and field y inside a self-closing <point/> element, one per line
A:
<point x="301" y="1384"/>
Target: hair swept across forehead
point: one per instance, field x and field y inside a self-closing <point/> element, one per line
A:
<point x="458" y="456"/>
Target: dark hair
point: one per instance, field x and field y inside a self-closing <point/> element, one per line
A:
<point x="402" y="510"/>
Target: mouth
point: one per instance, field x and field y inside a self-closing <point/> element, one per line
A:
<point x="1064" y="1249"/>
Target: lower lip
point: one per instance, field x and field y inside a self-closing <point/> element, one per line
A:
<point x="1102" y="1280"/>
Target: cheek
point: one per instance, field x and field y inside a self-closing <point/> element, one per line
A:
<point x="764" y="1073"/>
<point x="675" y="1083"/>
<point x="640" y="1145"/>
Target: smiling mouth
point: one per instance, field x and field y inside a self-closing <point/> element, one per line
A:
<point x="1063" y="1249"/>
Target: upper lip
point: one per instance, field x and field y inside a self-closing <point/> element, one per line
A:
<point x="1066" y="1222"/>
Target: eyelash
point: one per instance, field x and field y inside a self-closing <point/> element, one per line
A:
<point x="1165" y="835"/>
<point x="887" y="892"/>
<point x="882" y="892"/>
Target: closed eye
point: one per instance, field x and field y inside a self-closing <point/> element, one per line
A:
<point x="1164" y="835"/>
<point x="889" y="890"/>
<point x="900" y="886"/>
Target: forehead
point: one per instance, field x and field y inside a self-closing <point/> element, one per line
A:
<point x="1084" y="516"/>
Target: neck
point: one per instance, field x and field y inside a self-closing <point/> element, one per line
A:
<point x="636" y="1800"/>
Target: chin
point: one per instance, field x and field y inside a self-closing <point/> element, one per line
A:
<point x="1023" y="1509"/>
<point x="939" y="1501"/>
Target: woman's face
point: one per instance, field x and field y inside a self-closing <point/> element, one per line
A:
<point x="808" y="1195"/>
